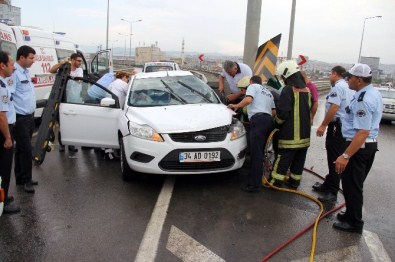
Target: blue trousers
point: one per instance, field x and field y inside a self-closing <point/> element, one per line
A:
<point x="260" y="127"/>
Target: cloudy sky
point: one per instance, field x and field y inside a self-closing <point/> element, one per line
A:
<point x="326" y="30"/>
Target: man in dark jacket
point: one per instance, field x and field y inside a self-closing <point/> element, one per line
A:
<point x="293" y="120"/>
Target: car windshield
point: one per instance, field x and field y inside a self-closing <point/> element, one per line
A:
<point x="158" y="68"/>
<point x="388" y="93"/>
<point x="170" y="90"/>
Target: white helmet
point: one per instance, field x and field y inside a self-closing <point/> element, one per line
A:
<point x="244" y="82"/>
<point x="287" y="68"/>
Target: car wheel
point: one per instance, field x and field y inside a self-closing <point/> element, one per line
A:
<point x="126" y="171"/>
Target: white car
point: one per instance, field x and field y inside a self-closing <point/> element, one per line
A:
<point x="171" y="123"/>
<point x="160" y="66"/>
<point x="388" y="95"/>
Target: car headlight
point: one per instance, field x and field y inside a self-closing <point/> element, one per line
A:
<point x="144" y="132"/>
<point x="236" y="129"/>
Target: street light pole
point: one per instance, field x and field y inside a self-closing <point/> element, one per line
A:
<point x="291" y="31"/>
<point x="112" y="44"/>
<point x="124" y="52"/>
<point x="131" y="30"/>
<point x="363" y="31"/>
<point x="108" y="15"/>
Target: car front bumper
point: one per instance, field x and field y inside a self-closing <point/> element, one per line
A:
<point x="162" y="157"/>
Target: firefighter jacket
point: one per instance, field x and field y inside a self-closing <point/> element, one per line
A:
<point x="293" y="118"/>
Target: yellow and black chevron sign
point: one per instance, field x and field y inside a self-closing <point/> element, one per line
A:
<point x="266" y="58"/>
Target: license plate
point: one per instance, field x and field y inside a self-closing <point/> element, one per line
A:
<point x="199" y="156"/>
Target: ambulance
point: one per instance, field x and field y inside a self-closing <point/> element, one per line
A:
<point x="50" y="49"/>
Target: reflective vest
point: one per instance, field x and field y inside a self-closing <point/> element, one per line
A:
<point x="293" y="117"/>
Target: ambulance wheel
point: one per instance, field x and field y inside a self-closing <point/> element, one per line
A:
<point x="126" y="171"/>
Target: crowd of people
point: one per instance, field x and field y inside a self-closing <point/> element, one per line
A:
<point x="353" y="110"/>
<point x="17" y="107"/>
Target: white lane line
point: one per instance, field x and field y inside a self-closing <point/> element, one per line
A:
<point x="149" y="245"/>
<point x="349" y="254"/>
<point x="375" y="246"/>
<point x="188" y="249"/>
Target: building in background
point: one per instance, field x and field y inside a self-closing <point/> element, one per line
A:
<point x="9" y="14"/>
<point x="148" y="54"/>
<point x="374" y="63"/>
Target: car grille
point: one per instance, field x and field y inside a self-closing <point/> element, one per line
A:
<point x="171" y="161"/>
<point x="211" y="135"/>
<point x="390" y="106"/>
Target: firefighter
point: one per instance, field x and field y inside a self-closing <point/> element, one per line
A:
<point x="293" y="121"/>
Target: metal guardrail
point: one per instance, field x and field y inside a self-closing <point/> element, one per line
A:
<point x="322" y="86"/>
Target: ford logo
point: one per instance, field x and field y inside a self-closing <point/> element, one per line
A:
<point x="200" y="138"/>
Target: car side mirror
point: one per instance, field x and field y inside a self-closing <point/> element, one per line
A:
<point x="107" y="102"/>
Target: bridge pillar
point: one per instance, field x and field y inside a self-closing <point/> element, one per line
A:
<point x="252" y="31"/>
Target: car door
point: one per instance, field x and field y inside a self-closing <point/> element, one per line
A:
<point x="102" y="63"/>
<point x="85" y="121"/>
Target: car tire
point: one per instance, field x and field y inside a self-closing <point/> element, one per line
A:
<point x="126" y="171"/>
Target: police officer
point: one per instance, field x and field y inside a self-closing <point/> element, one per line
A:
<point x="335" y="108"/>
<point x="261" y="109"/>
<point x="293" y="118"/>
<point x="360" y="128"/>
<point x="7" y="120"/>
<point x="25" y="105"/>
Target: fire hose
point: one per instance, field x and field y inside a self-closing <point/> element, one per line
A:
<point x="269" y="159"/>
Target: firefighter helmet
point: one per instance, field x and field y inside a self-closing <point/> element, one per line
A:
<point x="287" y="68"/>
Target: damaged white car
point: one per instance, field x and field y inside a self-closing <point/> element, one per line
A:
<point x="171" y="123"/>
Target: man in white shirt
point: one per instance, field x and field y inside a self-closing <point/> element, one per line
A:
<point x="233" y="72"/>
<point x="120" y="86"/>
<point x="73" y="89"/>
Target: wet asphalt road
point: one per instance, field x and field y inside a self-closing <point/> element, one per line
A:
<point x="83" y="211"/>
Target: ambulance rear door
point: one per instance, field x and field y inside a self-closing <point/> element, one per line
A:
<point x="7" y="41"/>
<point x="43" y="43"/>
<point x="64" y="46"/>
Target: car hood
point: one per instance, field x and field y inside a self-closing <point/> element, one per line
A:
<point x="181" y="118"/>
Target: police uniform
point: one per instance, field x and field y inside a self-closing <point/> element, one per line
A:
<point x="24" y="99"/>
<point x="364" y="112"/>
<point x="261" y="124"/>
<point x="6" y="105"/>
<point x="335" y="144"/>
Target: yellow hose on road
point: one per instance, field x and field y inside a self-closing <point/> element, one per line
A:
<point x="301" y="193"/>
<point x="269" y="159"/>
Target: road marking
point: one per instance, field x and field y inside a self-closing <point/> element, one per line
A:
<point x="349" y="254"/>
<point x="376" y="247"/>
<point x="188" y="249"/>
<point x="149" y="245"/>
